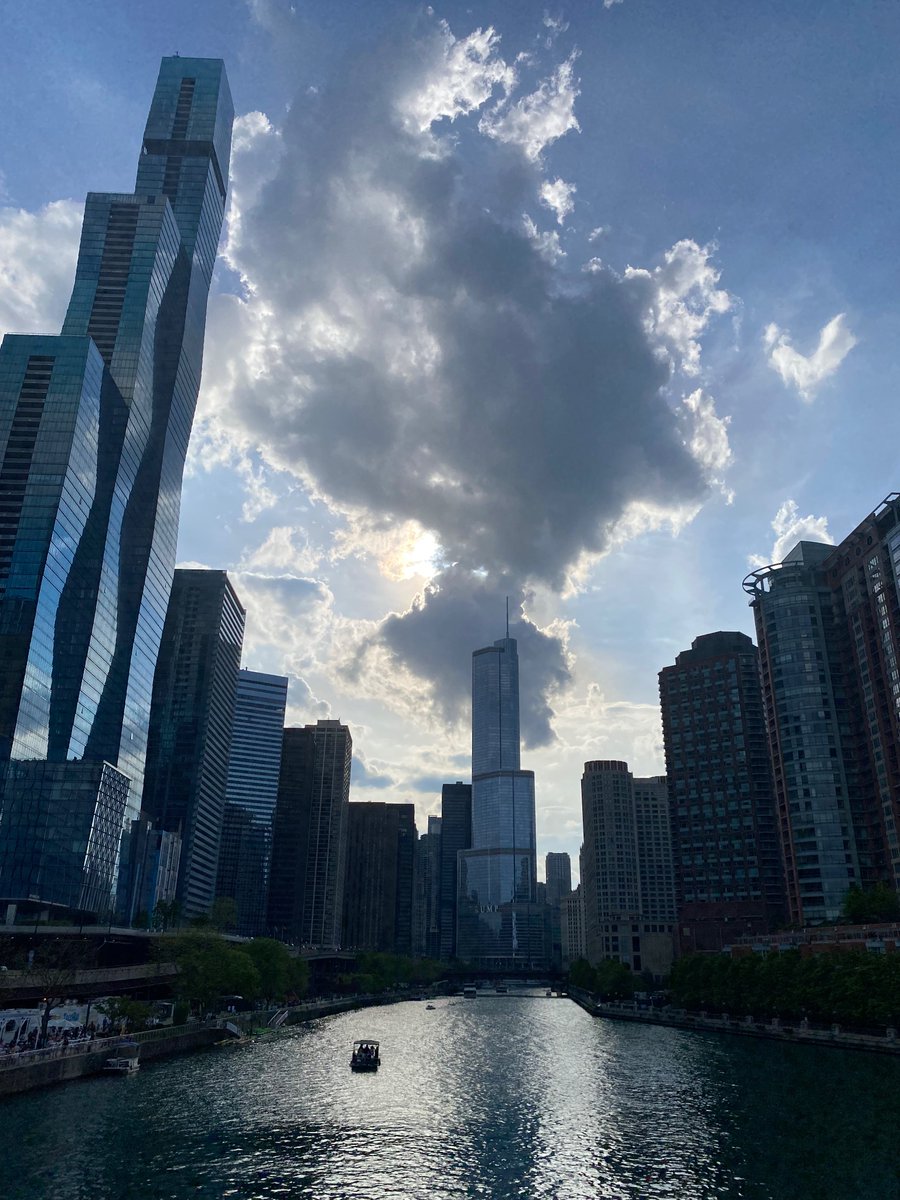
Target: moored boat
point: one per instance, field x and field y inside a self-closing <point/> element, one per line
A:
<point x="125" y="1060"/>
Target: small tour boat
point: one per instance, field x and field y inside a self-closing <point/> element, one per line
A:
<point x="125" y="1062"/>
<point x="366" y="1055"/>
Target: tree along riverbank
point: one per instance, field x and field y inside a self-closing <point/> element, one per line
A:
<point x="850" y="988"/>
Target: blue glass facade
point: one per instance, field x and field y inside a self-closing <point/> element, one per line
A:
<point x="94" y="427"/>
<point x="499" y="920"/>
<point x="251" y="794"/>
<point x="191" y="724"/>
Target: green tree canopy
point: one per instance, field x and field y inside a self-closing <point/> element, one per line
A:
<point x="879" y="903"/>
<point x="209" y="967"/>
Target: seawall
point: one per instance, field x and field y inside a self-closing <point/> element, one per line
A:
<point x="44" y="1067"/>
<point x="796" y="1032"/>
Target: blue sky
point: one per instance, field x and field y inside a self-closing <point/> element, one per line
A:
<point x="592" y="305"/>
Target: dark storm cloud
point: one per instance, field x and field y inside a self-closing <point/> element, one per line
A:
<point x="411" y="347"/>
<point x="461" y="613"/>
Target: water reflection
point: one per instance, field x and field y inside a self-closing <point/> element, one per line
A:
<point x="498" y="1098"/>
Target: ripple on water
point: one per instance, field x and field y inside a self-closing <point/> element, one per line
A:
<point x="499" y="1098"/>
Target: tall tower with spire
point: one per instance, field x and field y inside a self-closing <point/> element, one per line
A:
<point x="94" y="428"/>
<point x="500" y="925"/>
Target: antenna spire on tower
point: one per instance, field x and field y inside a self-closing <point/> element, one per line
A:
<point x="507" y="617"/>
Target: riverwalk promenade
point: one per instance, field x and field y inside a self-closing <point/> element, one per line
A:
<point x="804" y="1032"/>
<point x="29" y="1069"/>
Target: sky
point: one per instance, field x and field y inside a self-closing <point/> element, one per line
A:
<point x="593" y="306"/>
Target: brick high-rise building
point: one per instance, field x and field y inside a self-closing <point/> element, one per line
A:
<point x="728" y="876"/>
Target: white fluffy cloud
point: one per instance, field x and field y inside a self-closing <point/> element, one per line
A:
<point x="684" y="296"/>
<point x="540" y="118"/>
<point x="558" y="197"/>
<point x="37" y="266"/>
<point x="790" y="528"/>
<point x="807" y="372"/>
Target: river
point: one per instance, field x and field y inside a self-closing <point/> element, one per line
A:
<point x="496" y="1098"/>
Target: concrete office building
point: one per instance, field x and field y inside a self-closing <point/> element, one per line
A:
<point x="558" y="875"/>
<point x="572" y="927"/>
<point x="620" y="849"/>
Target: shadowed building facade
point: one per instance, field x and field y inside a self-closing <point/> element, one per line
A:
<point x="191" y="725"/>
<point x="309" y="851"/>
<point x="456" y="835"/>
<point x="94" y="427"/>
<point x="427" y="885"/>
<point x="254" y="763"/>
<point x="378" y="892"/>
<point x="500" y="925"/>
<point x="728" y="876"/>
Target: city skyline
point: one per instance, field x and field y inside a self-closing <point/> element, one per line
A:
<point x="774" y="329"/>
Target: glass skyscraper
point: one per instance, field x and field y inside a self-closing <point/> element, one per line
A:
<point x="94" y="427"/>
<point x="828" y="625"/>
<point x="191" y="725"/>
<point x="500" y="923"/>
<point x="251" y="794"/>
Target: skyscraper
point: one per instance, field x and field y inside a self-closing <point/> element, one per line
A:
<point x="309" y="851"/>
<point x="828" y="624"/>
<point x="190" y="726"/>
<point x="426" y="914"/>
<point x="94" y="426"/>
<point x="656" y="872"/>
<point x="728" y="876"/>
<point x="254" y="762"/>
<point x="626" y="843"/>
<point x="499" y="923"/>
<point x="572" y="944"/>
<point x="378" y="892"/>
<point x="456" y="835"/>
<point x="558" y="872"/>
<point x="612" y="906"/>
